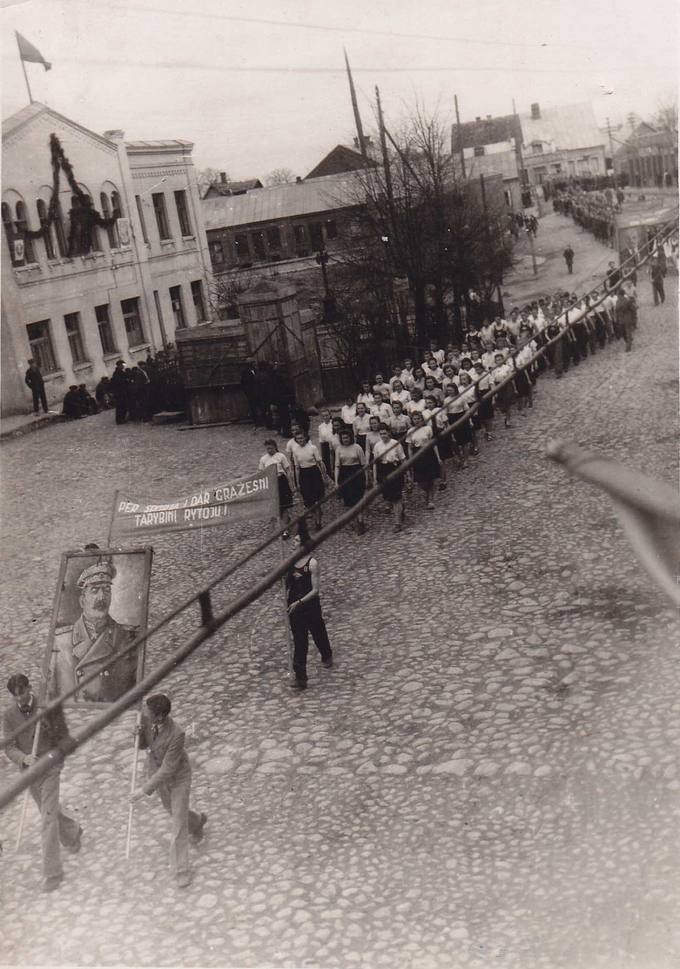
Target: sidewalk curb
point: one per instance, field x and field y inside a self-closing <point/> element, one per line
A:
<point x="31" y="426"/>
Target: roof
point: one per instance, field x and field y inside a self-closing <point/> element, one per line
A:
<point x="157" y="145"/>
<point x="233" y="188"/>
<point x="34" y="110"/>
<point x="568" y="126"/>
<point x="340" y="159"/>
<point x="486" y="131"/>
<point x="276" y="202"/>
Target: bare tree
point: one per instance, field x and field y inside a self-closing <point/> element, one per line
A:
<point x="225" y="290"/>
<point x="205" y="177"/>
<point x="666" y="116"/>
<point x="279" y="176"/>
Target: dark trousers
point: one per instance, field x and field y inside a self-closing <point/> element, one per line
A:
<point x="39" y="398"/>
<point x="121" y="409"/>
<point x="570" y="266"/>
<point x="306" y="619"/>
<point x="658" y="291"/>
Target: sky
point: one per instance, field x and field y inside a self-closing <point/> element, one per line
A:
<point x="259" y="84"/>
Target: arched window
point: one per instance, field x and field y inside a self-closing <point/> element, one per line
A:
<point x="8" y="227"/>
<point x="106" y="213"/>
<point x="43" y="218"/>
<point x="59" y="231"/>
<point x="21" y="226"/>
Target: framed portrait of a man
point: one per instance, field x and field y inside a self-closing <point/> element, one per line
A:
<point x="100" y="609"/>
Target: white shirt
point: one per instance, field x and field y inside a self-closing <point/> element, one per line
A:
<point x="279" y="459"/>
<point x="401" y="395"/>
<point x="305" y="455"/>
<point x="407" y="378"/>
<point x="433" y="371"/>
<point x="365" y="399"/>
<point x="414" y="405"/>
<point x="325" y="432"/>
<point x="361" y="424"/>
<point x="419" y="436"/>
<point x="382" y="411"/>
<point x="396" y="452"/>
<point x="348" y="411"/>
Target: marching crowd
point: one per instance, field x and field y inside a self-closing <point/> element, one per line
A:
<point x="394" y="417"/>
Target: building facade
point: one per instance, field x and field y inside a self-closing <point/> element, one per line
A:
<point x="649" y="158"/>
<point x="141" y="278"/>
<point x="561" y="142"/>
<point x="491" y="146"/>
<point x="280" y="223"/>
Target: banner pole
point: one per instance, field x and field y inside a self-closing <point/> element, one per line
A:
<point x="113" y="518"/>
<point x="286" y="617"/>
<point x="133" y="782"/>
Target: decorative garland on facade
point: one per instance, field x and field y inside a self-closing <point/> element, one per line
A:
<point x="83" y="216"/>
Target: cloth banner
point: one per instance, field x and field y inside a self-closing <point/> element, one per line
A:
<point x="256" y="496"/>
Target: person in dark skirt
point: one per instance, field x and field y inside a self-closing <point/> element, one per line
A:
<point x="310" y="472"/>
<point x="388" y="454"/>
<point x="427" y="468"/>
<point x="349" y="460"/>
<point x="284" y="480"/>
<point x="361" y="425"/>
<point x="325" y="436"/>
<point x="456" y="408"/>
<point x="505" y="397"/>
<point x="304" y="612"/>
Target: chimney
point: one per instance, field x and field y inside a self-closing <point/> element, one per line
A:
<point x="535" y="111"/>
<point x="478" y="119"/>
<point x="223" y="178"/>
<point x="115" y="134"/>
<point x="298" y="180"/>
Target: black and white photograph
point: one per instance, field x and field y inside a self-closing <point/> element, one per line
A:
<point x="339" y="485"/>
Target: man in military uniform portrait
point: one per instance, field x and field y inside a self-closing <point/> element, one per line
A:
<point x="93" y="640"/>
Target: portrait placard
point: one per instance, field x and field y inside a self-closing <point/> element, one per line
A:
<point x="101" y="607"/>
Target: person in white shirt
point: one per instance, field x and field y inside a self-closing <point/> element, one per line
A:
<point x="432" y="389"/>
<point x="437" y="352"/>
<point x="418" y="380"/>
<point x="415" y="403"/>
<point x="426" y="470"/>
<point x="325" y="437"/>
<point x="381" y="409"/>
<point x="407" y="374"/>
<point x="485" y="413"/>
<point x="399" y="392"/>
<point x="489" y="355"/>
<point x="284" y="478"/>
<point x="400" y="422"/>
<point x="437" y="417"/>
<point x="432" y="369"/>
<point x="360" y="425"/>
<point x="365" y="395"/>
<point x="310" y="472"/>
<point x="450" y="377"/>
<point x="373" y="435"/>
<point x="468" y="395"/>
<point x="388" y="454"/>
<point x="506" y="394"/>
<point x="349" y="409"/>
<point x="456" y="406"/>
<point x="396" y="375"/>
<point x="350" y="478"/>
<point x="381" y="386"/>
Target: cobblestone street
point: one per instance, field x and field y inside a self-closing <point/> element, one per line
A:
<point x="487" y="778"/>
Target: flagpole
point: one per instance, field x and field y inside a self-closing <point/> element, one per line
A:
<point x="23" y="67"/>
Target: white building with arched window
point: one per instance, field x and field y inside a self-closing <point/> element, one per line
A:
<point x="77" y="308"/>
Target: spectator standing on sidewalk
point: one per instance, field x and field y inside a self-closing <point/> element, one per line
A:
<point x="34" y="380"/>
<point x="169" y="773"/>
<point x="120" y="388"/>
<point x="56" y="826"/>
<point x="657" y="273"/>
<point x="569" y="259"/>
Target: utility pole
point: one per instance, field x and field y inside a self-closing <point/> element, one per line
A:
<point x="611" y="151"/>
<point x="460" y="138"/>
<point x="355" y="109"/>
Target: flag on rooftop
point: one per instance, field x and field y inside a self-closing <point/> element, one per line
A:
<point x="27" y="52"/>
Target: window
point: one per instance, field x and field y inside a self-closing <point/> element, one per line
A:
<point x="62" y="244"/>
<point x="242" y="245"/>
<point x="479" y="151"/>
<point x="537" y="147"/>
<point x="105" y="329"/>
<point x="258" y="245"/>
<point x="300" y="236"/>
<point x="21" y="226"/>
<point x="44" y="225"/>
<point x="331" y="229"/>
<point x="316" y="235"/>
<point x="106" y="212"/>
<point x="75" y="338"/>
<point x="41" y="345"/>
<point x="183" y="213"/>
<point x="161" y="215"/>
<point x="274" y="237"/>
<point x="133" y="321"/>
<point x="8" y="226"/>
<point x="177" y="307"/>
<point x="197" y="296"/>
<point x="216" y="252"/>
<point x="140" y="213"/>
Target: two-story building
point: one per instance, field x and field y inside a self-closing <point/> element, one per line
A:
<point x="280" y="223"/>
<point x="561" y="142"/>
<point x="77" y="310"/>
<point x="491" y="146"/>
